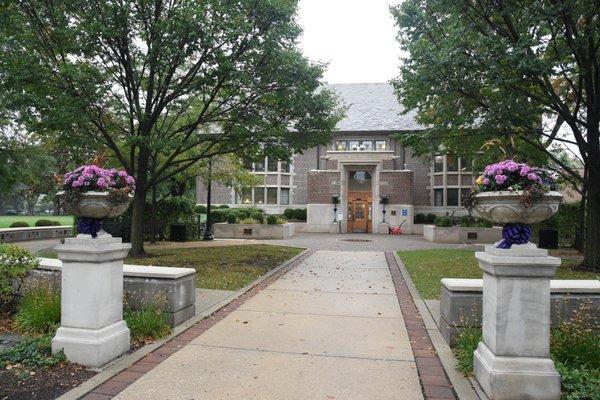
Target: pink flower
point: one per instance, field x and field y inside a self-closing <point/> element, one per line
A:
<point x="486" y="181"/>
<point x="532" y="177"/>
<point x="101" y="183"/>
<point x="500" y="179"/>
<point x="525" y="170"/>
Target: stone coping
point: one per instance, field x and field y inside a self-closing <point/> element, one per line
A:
<point x="144" y="271"/>
<point x="34" y="228"/>
<point x="556" y="285"/>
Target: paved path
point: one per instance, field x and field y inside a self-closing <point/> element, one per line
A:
<point x="331" y="328"/>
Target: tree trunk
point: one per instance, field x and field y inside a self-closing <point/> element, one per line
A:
<point x="139" y="205"/>
<point x="591" y="252"/>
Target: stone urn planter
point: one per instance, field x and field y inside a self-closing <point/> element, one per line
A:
<point x="97" y="205"/>
<point x="504" y="207"/>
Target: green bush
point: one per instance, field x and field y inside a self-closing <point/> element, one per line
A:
<point x="148" y="323"/>
<point x="232" y="217"/>
<point x="579" y="383"/>
<point x="219" y="215"/>
<point x="223" y="206"/>
<point x="175" y="209"/>
<point x="15" y="263"/>
<point x="39" y="311"/>
<point x="443" y="222"/>
<point x="430" y="218"/>
<point x="257" y="216"/>
<point x="200" y="209"/>
<point x="272" y="220"/>
<point x="420" y="219"/>
<point x="242" y="213"/>
<point x="484" y="223"/>
<point x="566" y="221"/>
<point x="467" y="221"/>
<point x="46" y="222"/>
<point x="31" y="352"/>
<point x="289" y="213"/>
<point x="19" y="224"/>
<point x="300" y="214"/>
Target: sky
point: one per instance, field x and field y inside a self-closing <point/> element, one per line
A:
<point x="357" y="38"/>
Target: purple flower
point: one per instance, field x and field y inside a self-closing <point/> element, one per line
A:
<point x="486" y="181"/>
<point x="500" y="179"/>
<point x="525" y="170"/>
<point x="101" y="183"/>
<point x="532" y="177"/>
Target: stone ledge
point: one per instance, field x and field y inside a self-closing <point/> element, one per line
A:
<point x="556" y="285"/>
<point x="10" y="235"/>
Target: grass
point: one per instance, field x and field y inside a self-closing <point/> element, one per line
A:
<point x="226" y="268"/>
<point x="428" y="267"/>
<point x="6" y="220"/>
<point x="39" y="311"/>
<point x="147" y="324"/>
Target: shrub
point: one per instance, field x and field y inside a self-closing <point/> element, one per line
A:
<point x="467" y="221"/>
<point x="273" y="220"/>
<point x="420" y="218"/>
<point x="300" y="214"/>
<point x="15" y="263"/>
<point x="430" y="218"/>
<point x="39" y="311"/>
<point x="200" y="209"/>
<point x="484" y="223"/>
<point x="289" y="213"/>
<point x="148" y="323"/>
<point x="246" y="221"/>
<point x="46" y="222"/>
<point x="175" y="209"/>
<point x="443" y="222"/>
<point x="19" y="224"/>
<point x="232" y="217"/>
<point x="257" y="216"/>
<point x="31" y="352"/>
<point x="242" y="213"/>
<point x="219" y="215"/>
<point x="223" y="206"/>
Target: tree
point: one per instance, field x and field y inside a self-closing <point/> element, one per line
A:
<point x="521" y="71"/>
<point x="164" y="84"/>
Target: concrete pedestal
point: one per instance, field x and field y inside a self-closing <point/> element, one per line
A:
<point x="384" y="228"/>
<point x="513" y="360"/>
<point x="92" y="330"/>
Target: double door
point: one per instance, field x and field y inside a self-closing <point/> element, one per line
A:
<point x="359" y="213"/>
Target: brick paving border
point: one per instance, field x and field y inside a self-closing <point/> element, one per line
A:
<point x="434" y="381"/>
<point x="123" y="379"/>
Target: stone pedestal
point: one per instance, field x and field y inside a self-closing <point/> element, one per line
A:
<point x="384" y="228"/>
<point x="334" y="227"/>
<point x="513" y="360"/>
<point x="92" y="330"/>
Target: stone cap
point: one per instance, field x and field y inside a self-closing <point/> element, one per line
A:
<point x="35" y="228"/>
<point x="141" y="271"/>
<point x="556" y="285"/>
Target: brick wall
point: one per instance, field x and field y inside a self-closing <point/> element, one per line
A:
<point x="302" y="164"/>
<point x="220" y="194"/>
<point x="397" y="185"/>
<point x="322" y="185"/>
<point x="421" y="166"/>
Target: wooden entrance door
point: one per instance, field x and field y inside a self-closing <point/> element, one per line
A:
<point x="359" y="212"/>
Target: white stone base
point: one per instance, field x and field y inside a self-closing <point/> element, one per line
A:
<point x="92" y="347"/>
<point x="384" y="228"/>
<point x="515" y="378"/>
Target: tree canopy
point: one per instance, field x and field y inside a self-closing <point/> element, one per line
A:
<point x="164" y="84"/>
<point x="522" y="72"/>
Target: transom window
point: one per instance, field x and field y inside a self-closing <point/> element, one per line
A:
<point x="361" y="145"/>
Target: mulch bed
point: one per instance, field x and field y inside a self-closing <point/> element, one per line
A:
<point x="41" y="383"/>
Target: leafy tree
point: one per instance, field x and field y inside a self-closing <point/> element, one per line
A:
<point x="523" y="72"/>
<point x="164" y="84"/>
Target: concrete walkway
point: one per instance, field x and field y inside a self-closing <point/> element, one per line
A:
<point x="331" y="328"/>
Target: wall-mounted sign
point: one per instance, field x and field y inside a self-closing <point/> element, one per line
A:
<point x="404" y="212"/>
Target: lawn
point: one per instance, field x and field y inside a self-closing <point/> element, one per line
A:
<point x="6" y="220"/>
<point x="227" y="267"/>
<point x="428" y="267"/>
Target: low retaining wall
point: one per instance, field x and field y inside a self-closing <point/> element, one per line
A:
<point x="8" y="235"/>
<point x="225" y="230"/>
<point x="461" y="303"/>
<point x="458" y="234"/>
<point x="141" y="285"/>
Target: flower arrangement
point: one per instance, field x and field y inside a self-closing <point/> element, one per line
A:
<point x="88" y="178"/>
<point x="513" y="177"/>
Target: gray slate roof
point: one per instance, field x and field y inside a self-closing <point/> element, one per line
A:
<point x="372" y="107"/>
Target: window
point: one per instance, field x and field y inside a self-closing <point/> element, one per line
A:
<point x="366" y="145"/>
<point x="285" y="166"/>
<point x="452" y="197"/>
<point x="284" y="196"/>
<point x="259" y="195"/>
<point x="341" y="145"/>
<point x="272" y="195"/>
<point x="438" y="197"/>
<point x="259" y="166"/>
<point x="466" y="164"/>
<point x="451" y="163"/>
<point x="438" y="164"/>
<point x="246" y="196"/>
<point x="272" y="165"/>
<point x="380" y="145"/>
<point x="353" y="145"/>
<point x="359" y="181"/>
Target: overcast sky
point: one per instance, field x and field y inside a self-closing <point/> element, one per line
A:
<point x="356" y="37"/>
